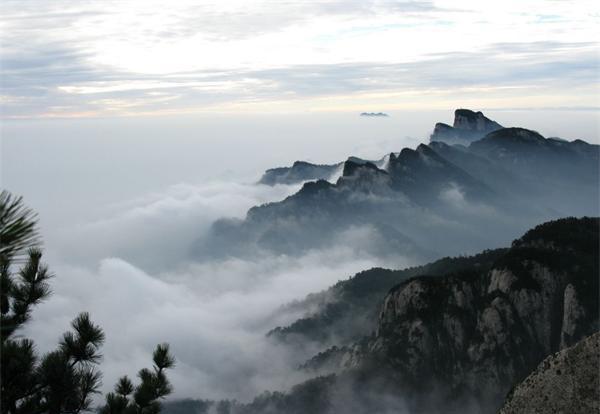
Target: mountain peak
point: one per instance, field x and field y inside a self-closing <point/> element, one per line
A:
<point x="468" y="126"/>
<point x="314" y="187"/>
<point x="350" y="167"/>
<point x="468" y="120"/>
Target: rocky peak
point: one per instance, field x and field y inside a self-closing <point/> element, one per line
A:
<point x="314" y="187"/>
<point x="441" y="128"/>
<point x="467" y="120"/>
<point x="364" y="177"/>
<point x="298" y="172"/>
<point x="352" y="167"/>
<point x="468" y="126"/>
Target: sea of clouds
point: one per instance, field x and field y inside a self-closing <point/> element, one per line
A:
<point x="134" y="271"/>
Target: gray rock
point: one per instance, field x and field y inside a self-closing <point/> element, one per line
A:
<point x="566" y="382"/>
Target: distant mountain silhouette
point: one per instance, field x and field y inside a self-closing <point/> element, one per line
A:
<point x="468" y="126"/>
<point x="375" y="114"/>
<point x="435" y="200"/>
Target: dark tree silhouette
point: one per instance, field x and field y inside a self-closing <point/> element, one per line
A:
<point x="145" y="397"/>
<point x="64" y="380"/>
<point x="18" y="226"/>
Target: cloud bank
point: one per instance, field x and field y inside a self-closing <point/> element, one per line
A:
<point x="132" y="271"/>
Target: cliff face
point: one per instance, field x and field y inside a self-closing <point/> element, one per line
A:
<point x="475" y="333"/>
<point x="349" y="310"/>
<point x="566" y="382"/>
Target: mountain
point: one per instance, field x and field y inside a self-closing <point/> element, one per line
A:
<point x="473" y="333"/>
<point x="375" y="114"/>
<point x="348" y="310"/>
<point x="455" y="336"/>
<point x="431" y="201"/>
<point x="468" y="126"/>
<point x="302" y="171"/>
<point x="565" y="382"/>
<point x="422" y="175"/>
<point x="298" y="172"/>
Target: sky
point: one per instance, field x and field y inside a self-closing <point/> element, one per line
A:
<point x="65" y="59"/>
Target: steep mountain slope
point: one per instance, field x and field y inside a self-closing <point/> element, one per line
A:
<point x="566" y="382"/>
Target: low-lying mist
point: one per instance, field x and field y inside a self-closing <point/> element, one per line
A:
<point x="132" y="270"/>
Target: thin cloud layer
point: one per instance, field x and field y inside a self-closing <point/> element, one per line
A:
<point x="132" y="58"/>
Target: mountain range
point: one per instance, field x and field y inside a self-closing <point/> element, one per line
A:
<point x="438" y="199"/>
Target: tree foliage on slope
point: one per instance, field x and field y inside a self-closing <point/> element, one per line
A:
<point x="66" y="379"/>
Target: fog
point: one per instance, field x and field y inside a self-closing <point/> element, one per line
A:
<point x="121" y="202"/>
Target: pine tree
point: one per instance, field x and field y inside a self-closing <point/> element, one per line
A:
<point x="66" y="379"/>
<point x="144" y="398"/>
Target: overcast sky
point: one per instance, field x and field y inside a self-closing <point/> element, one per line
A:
<point x="115" y="58"/>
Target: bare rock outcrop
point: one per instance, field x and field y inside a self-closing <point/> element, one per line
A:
<point x="565" y="382"/>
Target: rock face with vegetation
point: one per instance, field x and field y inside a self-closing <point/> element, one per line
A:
<point x="348" y="310"/>
<point x="565" y="382"/>
<point x="477" y="333"/>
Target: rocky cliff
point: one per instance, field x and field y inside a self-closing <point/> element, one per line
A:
<point x="565" y="382"/>
<point x="476" y="334"/>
